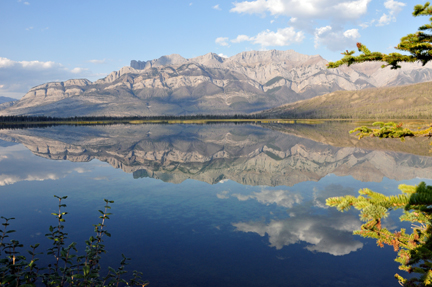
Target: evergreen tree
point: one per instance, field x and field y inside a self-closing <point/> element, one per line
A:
<point x="418" y="45"/>
<point x="414" y="249"/>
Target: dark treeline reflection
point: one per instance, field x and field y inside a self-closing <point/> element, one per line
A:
<point x="21" y="118"/>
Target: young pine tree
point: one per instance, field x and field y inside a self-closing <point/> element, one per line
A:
<point x="415" y="248"/>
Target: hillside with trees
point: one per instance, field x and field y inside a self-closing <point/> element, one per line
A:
<point x="404" y="102"/>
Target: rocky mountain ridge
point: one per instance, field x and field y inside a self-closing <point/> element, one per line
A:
<point x="209" y="84"/>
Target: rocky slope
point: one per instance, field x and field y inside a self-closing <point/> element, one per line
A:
<point x="246" y="154"/>
<point x="209" y="84"/>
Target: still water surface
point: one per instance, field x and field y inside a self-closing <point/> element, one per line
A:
<point x="212" y="205"/>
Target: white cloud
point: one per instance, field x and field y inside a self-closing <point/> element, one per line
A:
<point x="26" y="3"/>
<point x="282" y="37"/>
<point x="384" y="20"/>
<point x="341" y="10"/>
<point x="367" y="24"/>
<point x="393" y="7"/>
<point x="223" y="56"/>
<point x="322" y="30"/>
<point x="353" y="34"/>
<point x="78" y="70"/>
<point x="223" y="41"/>
<point x="241" y="38"/>
<point x="335" y="40"/>
<point x="216" y="7"/>
<point x="4" y="63"/>
<point x="97" y="61"/>
<point x="17" y="77"/>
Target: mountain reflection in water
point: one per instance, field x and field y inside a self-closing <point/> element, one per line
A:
<point x="253" y="215"/>
<point x="247" y="154"/>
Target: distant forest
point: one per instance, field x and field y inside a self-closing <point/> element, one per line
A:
<point x="13" y="122"/>
<point x="17" y="119"/>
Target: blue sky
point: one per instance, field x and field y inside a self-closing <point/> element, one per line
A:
<point x="49" y="40"/>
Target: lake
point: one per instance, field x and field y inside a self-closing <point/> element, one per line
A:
<point x="213" y="205"/>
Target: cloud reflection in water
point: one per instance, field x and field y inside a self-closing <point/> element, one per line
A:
<point x="19" y="164"/>
<point x="329" y="232"/>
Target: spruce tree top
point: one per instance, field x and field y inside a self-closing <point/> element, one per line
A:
<point x="418" y="45"/>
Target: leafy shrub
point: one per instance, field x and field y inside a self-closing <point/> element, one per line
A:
<point x="67" y="268"/>
<point x="390" y="130"/>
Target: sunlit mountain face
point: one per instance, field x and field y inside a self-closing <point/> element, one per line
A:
<point x="212" y="205"/>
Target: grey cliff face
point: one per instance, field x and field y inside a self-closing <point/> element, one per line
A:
<point x="246" y="154"/>
<point x="209" y="84"/>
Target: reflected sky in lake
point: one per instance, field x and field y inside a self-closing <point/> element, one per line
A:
<point x="218" y="205"/>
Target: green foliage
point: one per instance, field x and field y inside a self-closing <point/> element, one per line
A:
<point x="67" y="268"/>
<point x="391" y="130"/>
<point x="388" y="130"/>
<point x="415" y="249"/>
<point x="418" y="45"/>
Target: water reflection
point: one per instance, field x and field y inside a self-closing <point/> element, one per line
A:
<point x="254" y="215"/>
<point x="247" y="154"/>
<point x="283" y="198"/>
<point x="326" y="231"/>
<point x="330" y="234"/>
<point x="17" y="165"/>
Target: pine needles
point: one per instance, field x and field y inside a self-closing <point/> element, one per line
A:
<point x="415" y="249"/>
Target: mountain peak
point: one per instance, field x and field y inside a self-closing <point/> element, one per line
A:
<point x="173" y="59"/>
<point x="209" y="59"/>
<point x="251" y="57"/>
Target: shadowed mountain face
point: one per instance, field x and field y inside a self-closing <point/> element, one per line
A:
<point x="172" y="85"/>
<point x="247" y="154"/>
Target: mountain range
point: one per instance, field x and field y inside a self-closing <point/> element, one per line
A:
<point x="209" y="84"/>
